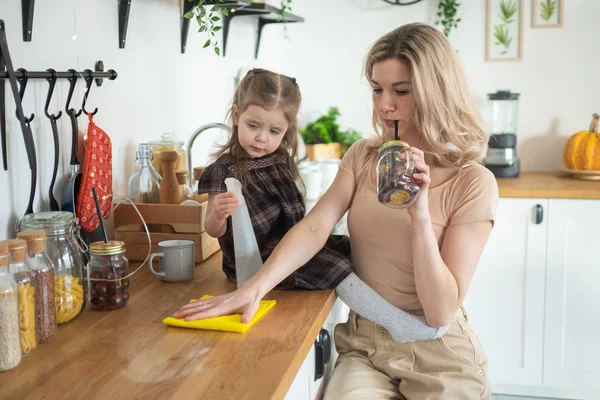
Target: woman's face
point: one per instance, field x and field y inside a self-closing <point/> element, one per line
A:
<point x="392" y="96"/>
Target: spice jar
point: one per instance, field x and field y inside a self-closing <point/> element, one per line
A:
<point x="25" y="279"/>
<point x="107" y="273"/>
<point x="65" y="250"/>
<point x="42" y="268"/>
<point x="395" y="188"/>
<point x="10" y="346"/>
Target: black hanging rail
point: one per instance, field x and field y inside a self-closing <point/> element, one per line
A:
<point x="110" y="75"/>
<point x="18" y="81"/>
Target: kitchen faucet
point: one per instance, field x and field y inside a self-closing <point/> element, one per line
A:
<point x="190" y="143"/>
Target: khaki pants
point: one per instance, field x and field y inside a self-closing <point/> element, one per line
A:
<point x="372" y="366"/>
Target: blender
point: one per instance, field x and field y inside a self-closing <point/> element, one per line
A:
<point x="501" y="157"/>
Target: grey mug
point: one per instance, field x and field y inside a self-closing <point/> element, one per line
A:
<point x="177" y="260"/>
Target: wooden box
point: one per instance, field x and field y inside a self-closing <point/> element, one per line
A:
<point x="331" y="150"/>
<point x="177" y="222"/>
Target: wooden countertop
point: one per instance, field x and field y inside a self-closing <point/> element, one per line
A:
<point x="130" y="353"/>
<point x="548" y="185"/>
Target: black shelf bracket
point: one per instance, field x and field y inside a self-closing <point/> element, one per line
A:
<point x="262" y="22"/>
<point x="185" y="23"/>
<point x="124" y="6"/>
<point x="227" y="22"/>
<point x="27" y="16"/>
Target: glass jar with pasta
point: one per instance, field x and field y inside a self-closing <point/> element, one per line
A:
<point x="10" y="346"/>
<point x="26" y="292"/>
<point x="65" y="249"/>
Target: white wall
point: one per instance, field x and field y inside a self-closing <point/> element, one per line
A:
<point x="558" y="77"/>
<point x="160" y="90"/>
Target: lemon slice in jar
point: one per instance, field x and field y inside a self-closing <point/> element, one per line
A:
<point x="399" y="197"/>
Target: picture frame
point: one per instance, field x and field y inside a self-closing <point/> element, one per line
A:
<point x="504" y="30"/>
<point x="547" y="13"/>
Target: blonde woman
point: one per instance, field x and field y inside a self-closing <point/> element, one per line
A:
<point x="420" y="259"/>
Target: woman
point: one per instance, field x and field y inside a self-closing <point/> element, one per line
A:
<point x="420" y="259"/>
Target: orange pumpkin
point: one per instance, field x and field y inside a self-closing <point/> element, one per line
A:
<point x="582" y="150"/>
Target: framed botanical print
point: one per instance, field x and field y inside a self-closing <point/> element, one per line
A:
<point x="547" y="13"/>
<point x="504" y="30"/>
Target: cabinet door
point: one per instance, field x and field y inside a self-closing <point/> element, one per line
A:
<point x="505" y="301"/>
<point x="572" y="344"/>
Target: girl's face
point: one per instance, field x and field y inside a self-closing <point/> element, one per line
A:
<point x="260" y="130"/>
<point x="392" y="96"/>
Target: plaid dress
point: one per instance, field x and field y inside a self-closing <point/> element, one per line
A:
<point x="275" y="210"/>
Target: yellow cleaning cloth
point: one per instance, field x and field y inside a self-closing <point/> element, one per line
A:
<point x="227" y="323"/>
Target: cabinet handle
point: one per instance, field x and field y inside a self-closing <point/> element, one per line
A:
<point x="539" y="214"/>
<point x="322" y="353"/>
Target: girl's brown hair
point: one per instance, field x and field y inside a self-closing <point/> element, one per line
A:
<point x="451" y="127"/>
<point x="268" y="90"/>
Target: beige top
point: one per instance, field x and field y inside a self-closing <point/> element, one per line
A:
<point x="381" y="236"/>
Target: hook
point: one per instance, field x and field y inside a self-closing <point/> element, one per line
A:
<point x="51" y="83"/>
<point x="72" y="82"/>
<point x="22" y="85"/>
<point x="88" y="86"/>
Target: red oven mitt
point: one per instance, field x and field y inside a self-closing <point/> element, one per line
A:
<point x="97" y="172"/>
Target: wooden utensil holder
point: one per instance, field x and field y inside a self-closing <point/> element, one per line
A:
<point x="185" y="221"/>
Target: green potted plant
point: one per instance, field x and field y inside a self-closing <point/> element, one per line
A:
<point x="324" y="139"/>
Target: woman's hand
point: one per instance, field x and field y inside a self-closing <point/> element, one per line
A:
<point x="420" y="208"/>
<point x="243" y="301"/>
<point x="224" y="205"/>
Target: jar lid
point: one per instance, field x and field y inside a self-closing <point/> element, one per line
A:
<point x="50" y="222"/>
<point x="16" y="244"/>
<point x="36" y="240"/>
<point x="198" y="171"/>
<point x="181" y="177"/>
<point x="394" y="143"/>
<point x="107" y="249"/>
<point x="31" y="235"/>
<point x="166" y="139"/>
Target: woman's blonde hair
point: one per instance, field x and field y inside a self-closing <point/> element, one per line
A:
<point x="450" y="125"/>
<point x="268" y="90"/>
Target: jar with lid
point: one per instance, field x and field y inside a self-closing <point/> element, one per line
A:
<point x="25" y="279"/>
<point x="107" y="273"/>
<point x="42" y="268"/>
<point x="167" y="143"/>
<point x="65" y="250"/>
<point x="10" y="345"/>
<point x="395" y="167"/>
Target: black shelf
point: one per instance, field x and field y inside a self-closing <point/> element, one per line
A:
<point x="266" y="14"/>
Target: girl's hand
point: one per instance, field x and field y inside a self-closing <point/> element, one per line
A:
<point x="224" y="205"/>
<point x="420" y="208"/>
<point x="243" y="301"/>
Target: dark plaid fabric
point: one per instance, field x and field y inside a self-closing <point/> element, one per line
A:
<point x="274" y="210"/>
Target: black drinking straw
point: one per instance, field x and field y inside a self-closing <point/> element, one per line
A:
<point x="100" y="215"/>
<point x="396" y="130"/>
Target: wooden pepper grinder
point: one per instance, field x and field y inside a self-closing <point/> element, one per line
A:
<point x="169" y="187"/>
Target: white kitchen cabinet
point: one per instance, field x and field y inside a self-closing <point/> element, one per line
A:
<point x="305" y="386"/>
<point x="534" y="301"/>
<point x="572" y="316"/>
<point x="505" y="302"/>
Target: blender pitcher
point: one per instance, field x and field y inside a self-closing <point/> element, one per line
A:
<point x="395" y="188"/>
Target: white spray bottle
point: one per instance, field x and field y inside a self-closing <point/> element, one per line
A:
<point x="247" y="256"/>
